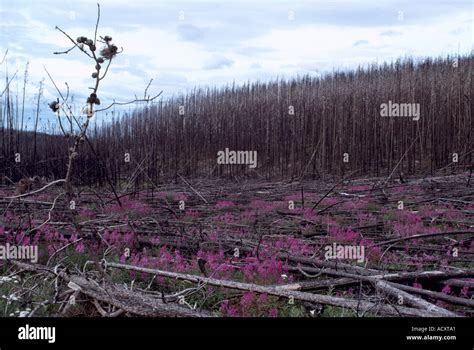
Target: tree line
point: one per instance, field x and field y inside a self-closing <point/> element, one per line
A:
<point x="304" y="127"/>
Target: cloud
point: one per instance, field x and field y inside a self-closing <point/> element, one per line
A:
<point x="390" y="33"/>
<point x="217" y="62"/>
<point x="255" y="66"/>
<point x="252" y="51"/>
<point x="190" y="32"/>
<point x="360" y="43"/>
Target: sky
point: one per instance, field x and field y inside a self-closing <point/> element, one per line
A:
<point x="186" y="44"/>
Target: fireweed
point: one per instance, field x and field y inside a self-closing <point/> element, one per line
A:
<point x="264" y="269"/>
<point x="129" y="205"/>
<point x="225" y="204"/>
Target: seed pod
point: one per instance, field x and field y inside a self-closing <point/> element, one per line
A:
<point x="107" y="38"/>
<point x="81" y="39"/>
<point x="92" y="47"/>
<point x="54" y="106"/>
<point x="93" y="99"/>
<point x="109" y="52"/>
<point x="94" y="75"/>
<point x="100" y="60"/>
<point x="89" y="42"/>
<point x="97" y="66"/>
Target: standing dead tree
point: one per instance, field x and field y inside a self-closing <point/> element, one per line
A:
<point x="105" y="56"/>
<point x="102" y="58"/>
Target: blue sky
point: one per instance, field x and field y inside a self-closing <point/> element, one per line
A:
<point x="212" y="43"/>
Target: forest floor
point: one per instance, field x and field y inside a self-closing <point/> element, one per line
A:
<point x="222" y="248"/>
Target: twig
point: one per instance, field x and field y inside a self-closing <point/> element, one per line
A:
<point x="424" y="235"/>
<point x="191" y="187"/>
<point x="130" y="102"/>
<point x="37" y="191"/>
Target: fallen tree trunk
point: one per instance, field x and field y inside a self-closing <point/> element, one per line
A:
<point x="423" y="235"/>
<point x="435" y="295"/>
<point x="412" y="300"/>
<point x="281" y="291"/>
<point x="131" y="301"/>
<point x="399" y="276"/>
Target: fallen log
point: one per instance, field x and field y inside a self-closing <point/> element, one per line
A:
<point x="131" y="301"/>
<point x="390" y="289"/>
<point x="423" y="235"/>
<point x="440" y="275"/>
<point x="435" y="295"/>
<point x="280" y="291"/>
<point x="412" y="300"/>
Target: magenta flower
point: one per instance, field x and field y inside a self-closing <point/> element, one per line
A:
<point x="224" y="204"/>
<point x="446" y="289"/>
<point x="263" y="299"/>
<point x="273" y="312"/>
<point x="247" y="299"/>
<point x="80" y="247"/>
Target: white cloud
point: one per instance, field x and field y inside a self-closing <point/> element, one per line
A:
<point x="217" y="62"/>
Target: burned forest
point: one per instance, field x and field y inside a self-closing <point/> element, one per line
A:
<point x="346" y="193"/>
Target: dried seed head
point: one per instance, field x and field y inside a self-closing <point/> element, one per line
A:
<point x="93" y="99"/>
<point x="109" y="52"/>
<point x="89" y="42"/>
<point x="100" y="60"/>
<point x="94" y="75"/>
<point x="54" y="106"/>
<point x="107" y="38"/>
<point x="81" y="39"/>
<point x="98" y="66"/>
